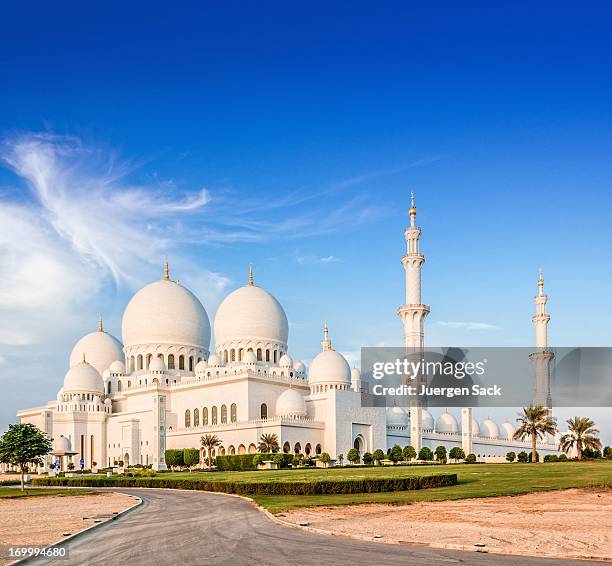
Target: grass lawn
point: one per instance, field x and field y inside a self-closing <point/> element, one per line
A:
<point x="477" y="480"/>
<point x="14" y="492"/>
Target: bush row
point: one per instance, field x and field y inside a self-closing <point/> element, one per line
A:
<point x="245" y="462"/>
<point x="315" y="487"/>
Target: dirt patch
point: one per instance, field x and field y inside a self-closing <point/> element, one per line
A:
<point x="41" y="520"/>
<point x="570" y="524"/>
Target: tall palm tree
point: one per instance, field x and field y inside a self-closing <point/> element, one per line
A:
<point x="268" y="443"/>
<point x="582" y="434"/>
<point x="535" y="422"/>
<point x="210" y="442"/>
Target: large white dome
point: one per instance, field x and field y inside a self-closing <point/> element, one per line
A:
<point x="250" y="313"/>
<point x="83" y="378"/>
<point x="488" y="429"/>
<point x="329" y="367"/>
<point x="164" y="312"/>
<point x="396" y="416"/>
<point x="446" y="423"/>
<point x="100" y="348"/>
<point x="506" y="431"/>
<point x="291" y="403"/>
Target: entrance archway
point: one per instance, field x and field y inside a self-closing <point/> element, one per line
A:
<point x="359" y="444"/>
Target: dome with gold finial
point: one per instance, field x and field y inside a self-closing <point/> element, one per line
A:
<point x="329" y="367"/>
<point x="100" y="348"/>
<point x="83" y="378"/>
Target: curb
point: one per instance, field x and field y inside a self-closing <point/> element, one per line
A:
<point x="63" y="540"/>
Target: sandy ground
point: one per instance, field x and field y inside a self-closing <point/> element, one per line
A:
<point x="45" y="519"/>
<point x="572" y="523"/>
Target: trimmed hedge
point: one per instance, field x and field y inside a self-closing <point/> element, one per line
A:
<point x="316" y="487"/>
<point x="244" y="462"/>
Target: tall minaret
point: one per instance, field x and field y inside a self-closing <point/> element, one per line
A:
<point x="542" y="357"/>
<point x="413" y="313"/>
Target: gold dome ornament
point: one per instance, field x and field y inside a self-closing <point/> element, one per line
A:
<point x="100" y="327"/>
<point x="166" y="271"/>
<point x="540" y="280"/>
<point x="251" y="275"/>
<point x="413" y="209"/>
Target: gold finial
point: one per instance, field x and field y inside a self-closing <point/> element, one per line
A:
<point x="326" y="342"/>
<point x="540" y="279"/>
<point x="166" y="271"/>
<point x="100" y="327"/>
<point x="251" y="274"/>
<point x="84" y="360"/>
<point x="413" y="210"/>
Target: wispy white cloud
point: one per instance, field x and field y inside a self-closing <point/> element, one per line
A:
<point x="468" y="325"/>
<point x="309" y="259"/>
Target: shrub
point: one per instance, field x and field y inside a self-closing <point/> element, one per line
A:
<point x="367" y="458"/>
<point x="395" y="455"/>
<point x="278" y="458"/>
<point x="537" y="456"/>
<point x="591" y="454"/>
<point x="325" y="458"/>
<point x="409" y="453"/>
<point x="426" y="454"/>
<point x="341" y="458"/>
<point x="441" y="454"/>
<point x="607" y="452"/>
<point x="174" y="458"/>
<point x="470" y="459"/>
<point x="523" y="457"/>
<point x="353" y="456"/>
<point x="510" y="456"/>
<point x="562" y="457"/>
<point x="378" y="455"/>
<point x="270" y="487"/>
<point x="257" y="459"/>
<point x="191" y="457"/>
<point x="456" y="453"/>
<point x="551" y="458"/>
<point x="71" y="466"/>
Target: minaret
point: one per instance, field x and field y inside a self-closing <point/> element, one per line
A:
<point x="413" y="313"/>
<point x="542" y="357"/>
<point x="326" y="342"/>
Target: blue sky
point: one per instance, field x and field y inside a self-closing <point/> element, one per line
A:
<point x="290" y="137"/>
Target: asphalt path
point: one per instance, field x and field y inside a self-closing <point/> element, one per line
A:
<point x="187" y="528"/>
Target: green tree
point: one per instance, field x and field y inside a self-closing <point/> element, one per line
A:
<point x="279" y="458"/>
<point x="426" y="454"/>
<point x="210" y="442"/>
<point x="268" y="443"/>
<point x="367" y="458"/>
<point x="257" y="459"/>
<point x="24" y="445"/>
<point x="396" y="453"/>
<point x="456" y="453"/>
<point x="510" y="456"/>
<point x="581" y="435"/>
<point x="562" y="457"/>
<point x="341" y="458"/>
<point x="408" y="453"/>
<point x="607" y="452"/>
<point x="378" y="455"/>
<point x="535" y="422"/>
<point x="523" y="457"/>
<point x="353" y="456"/>
<point x="470" y="459"/>
<point x="325" y="458"/>
<point x="174" y="458"/>
<point x="191" y="457"/>
<point x="441" y="454"/>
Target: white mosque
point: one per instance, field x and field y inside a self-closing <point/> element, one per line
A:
<point x="163" y="388"/>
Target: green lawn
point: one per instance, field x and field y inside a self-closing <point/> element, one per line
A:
<point x="13" y="492"/>
<point x="478" y="480"/>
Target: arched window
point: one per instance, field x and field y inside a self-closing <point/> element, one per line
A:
<point x="223" y="414"/>
<point x="234" y="413"/>
<point x="149" y="356"/>
<point x="181" y="362"/>
<point x="298" y="448"/>
<point x="109" y="387"/>
<point x="267" y="355"/>
<point x="139" y="361"/>
<point x="190" y="363"/>
<point x="187" y="419"/>
<point x="119" y="385"/>
<point x="318" y="449"/>
<point x="307" y="449"/>
<point x="263" y="411"/>
<point x="205" y="416"/>
<point x="275" y="356"/>
<point x="259" y="354"/>
<point x="161" y="357"/>
<point x="233" y="355"/>
<point x="132" y="363"/>
<point x="240" y="354"/>
<point x="199" y="360"/>
<point x="214" y="415"/>
<point x="225" y="356"/>
<point x="286" y="448"/>
<point x="171" y="361"/>
<point x="196" y="417"/>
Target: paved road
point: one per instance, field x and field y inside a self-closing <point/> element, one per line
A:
<point x="188" y="528"/>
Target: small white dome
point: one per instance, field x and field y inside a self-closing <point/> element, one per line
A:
<point x="396" y="416"/>
<point x="329" y="367"/>
<point x="214" y="360"/>
<point x="300" y="367"/>
<point x="165" y="312"/>
<point x="249" y="357"/>
<point x="250" y="313"/>
<point x="201" y="366"/>
<point x="117" y="367"/>
<point x="291" y="403"/>
<point x="107" y="401"/>
<point x="83" y="378"/>
<point x="62" y="444"/>
<point x="506" y="431"/>
<point x="488" y="429"/>
<point x="96" y="399"/>
<point x="100" y="349"/>
<point x="355" y="378"/>
<point x="285" y="361"/>
<point x="157" y="364"/>
<point x="60" y="394"/>
<point x="475" y="427"/>
<point x="446" y="423"/>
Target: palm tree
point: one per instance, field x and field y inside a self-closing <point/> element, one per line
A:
<point x="582" y="434"/>
<point x="268" y="443"/>
<point x="535" y="422"/>
<point x="210" y="442"/>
